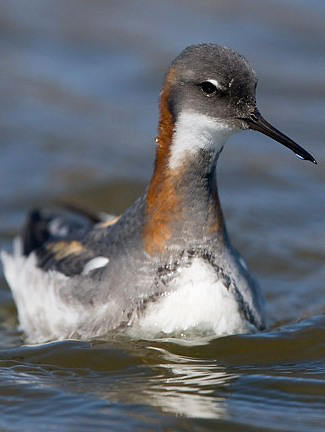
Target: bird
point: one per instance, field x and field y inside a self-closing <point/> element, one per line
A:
<point x="166" y="267"/>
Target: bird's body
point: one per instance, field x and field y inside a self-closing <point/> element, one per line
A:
<point x="166" y="267"/>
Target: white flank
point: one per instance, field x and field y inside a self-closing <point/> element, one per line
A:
<point x="94" y="264"/>
<point x="195" y="131"/>
<point x="200" y="302"/>
<point x="46" y="311"/>
<point x="36" y="294"/>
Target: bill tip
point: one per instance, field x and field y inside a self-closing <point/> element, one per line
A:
<point x="310" y="158"/>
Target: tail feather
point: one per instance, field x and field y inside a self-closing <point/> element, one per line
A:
<point x="35" y="232"/>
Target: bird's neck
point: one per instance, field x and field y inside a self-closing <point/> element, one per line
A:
<point x="182" y="202"/>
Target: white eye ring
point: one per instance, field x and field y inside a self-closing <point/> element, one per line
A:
<point x="215" y="83"/>
<point x="219" y="86"/>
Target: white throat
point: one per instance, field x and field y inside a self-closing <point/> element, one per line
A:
<point x="195" y="131"/>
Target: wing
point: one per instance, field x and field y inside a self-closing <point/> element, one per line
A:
<point x="59" y="239"/>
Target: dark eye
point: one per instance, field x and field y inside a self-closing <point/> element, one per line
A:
<point x="208" y="88"/>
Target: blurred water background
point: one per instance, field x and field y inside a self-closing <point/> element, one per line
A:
<point x="79" y="86"/>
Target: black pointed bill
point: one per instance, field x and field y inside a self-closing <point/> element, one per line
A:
<point x="256" y="122"/>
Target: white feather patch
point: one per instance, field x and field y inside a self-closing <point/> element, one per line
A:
<point x="36" y="294"/>
<point x="94" y="264"/>
<point x="195" y="131"/>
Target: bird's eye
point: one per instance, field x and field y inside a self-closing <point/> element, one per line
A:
<point x="208" y="88"/>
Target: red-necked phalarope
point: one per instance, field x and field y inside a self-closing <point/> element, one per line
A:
<point x="166" y="266"/>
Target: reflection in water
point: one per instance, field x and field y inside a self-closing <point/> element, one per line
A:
<point x="172" y="383"/>
<point x="176" y="384"/>
<point x="236" y="379"/>
<point x="189" y="387"/>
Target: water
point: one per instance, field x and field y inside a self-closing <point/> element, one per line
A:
<point x="79" y="83"/>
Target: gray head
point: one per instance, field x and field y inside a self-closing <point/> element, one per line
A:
<point x="211" y="89"/>
<point x="213" y="80"/>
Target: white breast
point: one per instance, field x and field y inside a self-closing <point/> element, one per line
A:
<point x="199" y="303"/>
